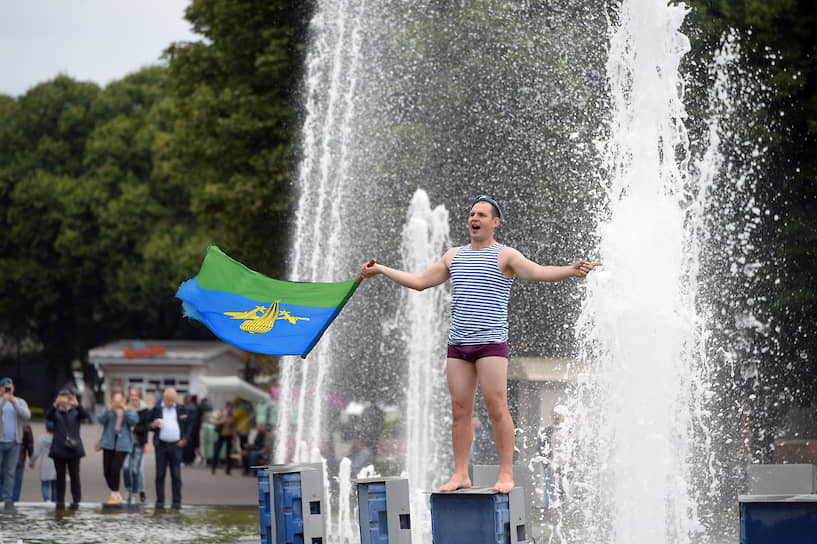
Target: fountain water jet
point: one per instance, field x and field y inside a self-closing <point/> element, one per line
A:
<point x="644" y="419"/>
<point x="423" y="324"/>
<point x="376" y="76"/>
<point x="331" y="67"/>
<point x="636" y="318"/>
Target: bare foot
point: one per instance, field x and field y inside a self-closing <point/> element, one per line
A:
<point x="504" y="484"/>
<point x="456" y="482"/>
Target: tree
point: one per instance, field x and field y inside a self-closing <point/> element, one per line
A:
<point x="98" y="237"/>
<point x="233" y="139"/>
<point x="778" y="48"/>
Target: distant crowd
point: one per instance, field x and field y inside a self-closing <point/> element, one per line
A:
<point x="126" y="422"/>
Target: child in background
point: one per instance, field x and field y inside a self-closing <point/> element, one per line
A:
<point x="48" y="473"/>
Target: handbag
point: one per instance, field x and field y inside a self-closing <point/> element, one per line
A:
<point x="71" y="443"/>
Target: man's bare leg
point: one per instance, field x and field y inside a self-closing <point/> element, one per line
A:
<point x="493" y="380"/>
<point x="462" y="384"/>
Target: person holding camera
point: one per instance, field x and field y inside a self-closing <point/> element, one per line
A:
<point x="117" y="440"/>
<point x="66" y="415"/>
<point x="13" y="413"/>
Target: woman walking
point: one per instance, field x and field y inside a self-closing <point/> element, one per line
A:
<point x="117" y="440"/>
<point x="66" y="415"/>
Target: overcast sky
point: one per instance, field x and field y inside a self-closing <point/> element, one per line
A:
<point x="89" y="40"/>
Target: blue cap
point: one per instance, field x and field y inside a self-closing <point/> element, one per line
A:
<point x="4" y="381"/>
<point x="489" y="200"/>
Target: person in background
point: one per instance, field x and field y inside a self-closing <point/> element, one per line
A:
<point x="14" y="413"/>
<point x="90" y="378"/>
<point x="117" y="440"/>
<point x="266" y="417"/>
<point x="133" y="469"/>
<point x="158" y="395"/>
<point x="48" y="474"/>
<point x="171" y="431"/>
<point x="26" y="449"/>
<point x="243" y="421"/>
<point x="66" y="445"/>
<point x="360" y="456"/>
<point x="226" y="429"/>
<point x="553" y="447"/>
<point x="190" y="450"/>
<point x="254" y="453"/>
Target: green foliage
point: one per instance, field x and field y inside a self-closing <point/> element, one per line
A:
<point x="94" y="234"/>
<point x="37" y="413"/>
<point x="108" y="197"/>
<point x="778" y="49"/>
<point x="232" y="142"/>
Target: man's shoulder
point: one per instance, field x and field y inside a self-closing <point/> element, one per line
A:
<point x="449" y="255"/>
<point x="508" y="255"/>
<point x="508" y="250"/>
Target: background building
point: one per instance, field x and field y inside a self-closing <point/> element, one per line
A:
<point x="155" y="365"/>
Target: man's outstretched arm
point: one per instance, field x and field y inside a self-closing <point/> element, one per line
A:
<point x="526" y="269"/>
<point x="434" y="275"/>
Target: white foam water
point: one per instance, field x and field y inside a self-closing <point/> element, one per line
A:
<point x="423" y="325"/>
<point x="331" y="68"/>
<point x="641" y="400"/>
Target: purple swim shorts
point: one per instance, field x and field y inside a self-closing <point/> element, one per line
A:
<point x="472" y="353"/>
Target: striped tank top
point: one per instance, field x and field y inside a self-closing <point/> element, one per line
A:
<point x="479" y="307"/>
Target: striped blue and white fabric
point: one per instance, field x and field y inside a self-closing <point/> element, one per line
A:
<point x="479" y="308"/>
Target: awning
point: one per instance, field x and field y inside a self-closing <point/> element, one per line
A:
<point x="232" y="386"/>
<point x="542" y="369"/>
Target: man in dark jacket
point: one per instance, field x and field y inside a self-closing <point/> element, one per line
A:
<point x="171" y="431"/>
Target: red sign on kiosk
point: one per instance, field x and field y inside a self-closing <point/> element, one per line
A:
<point x="147" y="351"/>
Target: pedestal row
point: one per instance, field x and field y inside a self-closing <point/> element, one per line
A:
<point x="291" y="509"/>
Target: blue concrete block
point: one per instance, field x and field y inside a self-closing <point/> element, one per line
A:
<point x="289" y="521"/>
<point x="777" y="521"/>
<point x="375" y="528"/>
<point x="470" y="518"/>
<point x="264" y="507"/>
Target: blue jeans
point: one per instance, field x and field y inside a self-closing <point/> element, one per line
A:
<point x="49" y="486"/>
<point x="554" y="488"/>
<point x="9" y="454"/>
<point x="168" y="455"/>
<point x="18" y="479"/>
<point x="134" y="470"/>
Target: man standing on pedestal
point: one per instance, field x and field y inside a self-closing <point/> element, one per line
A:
<point x="481" y="273"/>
